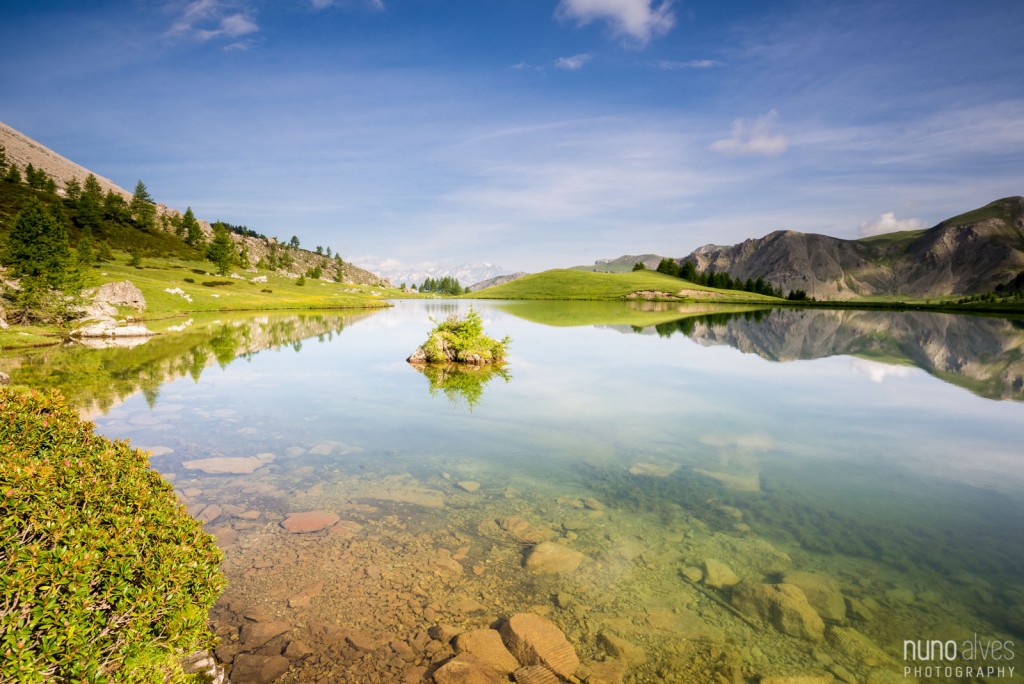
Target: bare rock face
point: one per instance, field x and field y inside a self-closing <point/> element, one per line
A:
<point x="123" y="293"/>
<point x="486" y="645"/>
<point x="535" y="674"/>
<point x="551" y="557"/>
<point x="310" y="521"/>
<point x="783" y="605"/>
<point x="534" y="640"/>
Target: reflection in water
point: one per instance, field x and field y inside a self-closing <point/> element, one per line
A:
<point x="982" y="354"/>
<point x="461" y="382"/>
<point x="94" y="380"/>
<point x="896" y="508"/>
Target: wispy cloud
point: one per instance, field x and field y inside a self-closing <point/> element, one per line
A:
<point x="636" y="21"/>
<point x="888" y="223"/>
<point x="324" y="4"/>
<point x="573" y="63"/>
<point x="673" y="65"/>
<point x="526" y="66"/>
<point x="753" y="138"/>
<point x="205" y="20"/>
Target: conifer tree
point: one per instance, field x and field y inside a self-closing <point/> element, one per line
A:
<point x="143" y="208"/>
<point x="221" y="251"/>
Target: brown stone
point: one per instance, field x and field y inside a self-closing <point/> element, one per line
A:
<point x="309" y="521"/>
<point x="783" y="605"/>
<point x="257" y="669"/>
<point x="486" y="644"/>
<point x="523" y="531"/>
<point x="535" y="640"/>
<point x="534" y="674"/>
<point x="210" y="513"/>
<point x="552" y="557"/>
<point x="618" y="647"/>
<point x="718" y="575"/>
<point x="255" y="634"/>
<point x="466" y="668"/>
<point x="822" y="593"/>
<point x="296" y="650"/>
<point x="229" y="465"/>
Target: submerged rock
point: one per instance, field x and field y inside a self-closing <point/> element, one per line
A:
<point x="466" y="668"/>
<point x="534" y="640"/>
<point x="229" y="465"/>
<point x="487" y="645"/>
<point x="258" y="669"/>
<point x="783" y="605"/>
<point x="822" y="593"/>
<point x="718" y="575"/>
<point x="551" y="557"/>
<point x="523" y="531"/>
<point x="310" y="521"/>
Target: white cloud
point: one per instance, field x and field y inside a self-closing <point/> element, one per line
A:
<point x="573" y="63"/>
<point x="878" y="372"/>
<point x="637" y="21"/>
<point x="672" y="65"/>
<point x="204" y="20"/>
<point x="888" y="223"/>
<point x="753" y="138"/>
<point x="526" y="66"/>
<point x="324" y="4"/>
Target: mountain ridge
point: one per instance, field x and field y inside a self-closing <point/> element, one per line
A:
<point x="22" y="150"/>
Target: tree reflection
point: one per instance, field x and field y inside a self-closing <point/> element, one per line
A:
<point x="461" y="383"/>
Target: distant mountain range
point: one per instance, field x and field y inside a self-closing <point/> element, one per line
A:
<point x="466" y="274"/>
<point x="968" y="254"/>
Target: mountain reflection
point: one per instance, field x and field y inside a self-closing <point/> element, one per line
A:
<point x="982" y="354"/>
<point x="95" y="380"/>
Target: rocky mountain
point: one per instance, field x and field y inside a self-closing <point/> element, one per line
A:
<point x="622" y="264"/>
<point x="497" y="280"/>
<point x="966" y="254"/>
<point x="22" y="150"/>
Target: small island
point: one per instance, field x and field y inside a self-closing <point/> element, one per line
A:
<point x="458" y="340"/>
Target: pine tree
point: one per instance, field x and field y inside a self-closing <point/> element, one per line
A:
<point x="221" y="251"/>
<point x="190" y="229"/>
<point x="90" y="204"/>
<point x="38" y="245"/>
<point x="143" y="208"/>
<point x="73" y="190"/>
<point x="13" y="175"/>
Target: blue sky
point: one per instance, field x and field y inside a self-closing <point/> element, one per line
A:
<point x="530" y="133"/>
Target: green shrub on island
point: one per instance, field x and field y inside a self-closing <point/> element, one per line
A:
<point x="103" y="574"/>
<point x="461" y="340"/>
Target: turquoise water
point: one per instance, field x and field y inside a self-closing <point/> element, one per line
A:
<point x="877" y="452"/>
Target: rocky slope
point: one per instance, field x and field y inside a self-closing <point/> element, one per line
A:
<point x="22" y="150"/>
<point x="498" y="280"/>
<point x="967" y="254"/>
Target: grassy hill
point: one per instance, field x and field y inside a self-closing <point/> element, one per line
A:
<point x="582" y="285"/>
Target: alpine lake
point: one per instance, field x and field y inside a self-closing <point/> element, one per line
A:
<point x="654" y="479"/>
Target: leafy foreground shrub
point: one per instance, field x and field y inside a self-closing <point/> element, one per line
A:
<point x="461" y="340"/>
<point x="103" y="574"/>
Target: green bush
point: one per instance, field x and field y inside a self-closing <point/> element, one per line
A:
<point x="103" y="574"/>
<point x="462" y="340"/>
<point x="216" y="283"/>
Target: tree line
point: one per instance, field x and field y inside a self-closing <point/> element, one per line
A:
<point x="722" y="280"/>
<point x="446" y="285"/>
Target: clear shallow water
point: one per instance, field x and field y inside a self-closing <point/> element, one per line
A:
<point x="879" y="452"/>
